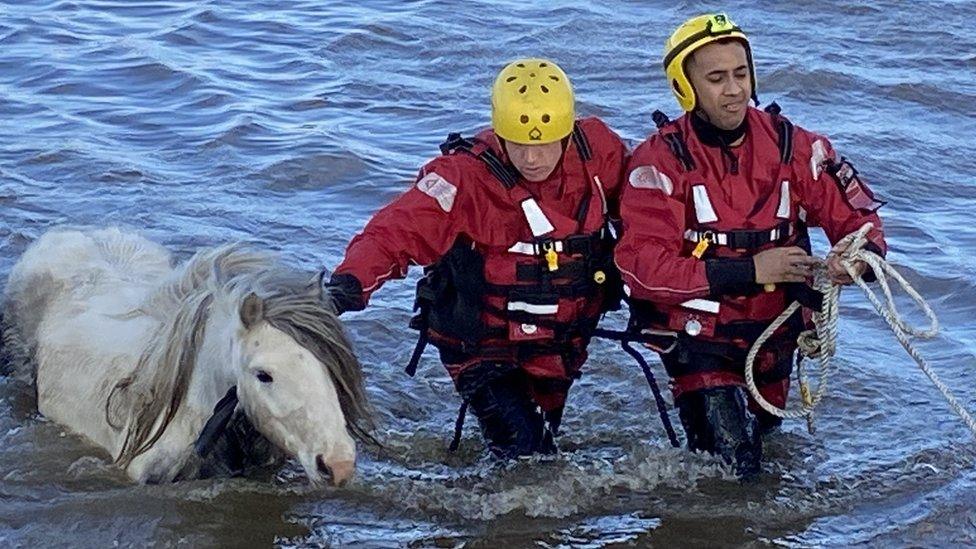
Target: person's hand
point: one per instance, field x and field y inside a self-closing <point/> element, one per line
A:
<point x="836" y="271"/>
<point x="343" y="292"/>
<point x="783" y="265"/>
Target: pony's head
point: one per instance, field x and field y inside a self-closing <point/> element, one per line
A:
<point x="299" y="382"/>
<point x="265" y="330"/>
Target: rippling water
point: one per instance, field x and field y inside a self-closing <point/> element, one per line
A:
<point x="289" y="123"/>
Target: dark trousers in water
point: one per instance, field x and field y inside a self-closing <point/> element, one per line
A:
<point x="717" y="419"/>
<point x="513" y="425"/>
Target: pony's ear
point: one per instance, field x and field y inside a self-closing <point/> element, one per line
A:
<point x="252" y="310"/>
<point x="320" y="283"/>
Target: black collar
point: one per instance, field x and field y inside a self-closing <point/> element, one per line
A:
<point x="713" y="136"/>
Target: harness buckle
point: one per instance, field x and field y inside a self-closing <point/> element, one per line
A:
<point x="453" y="141"/>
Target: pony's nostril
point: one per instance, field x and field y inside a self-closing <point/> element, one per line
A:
<point x="323" y="468"/>
<point x="338" y="472"/>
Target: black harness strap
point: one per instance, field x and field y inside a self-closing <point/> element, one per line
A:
<point x="418" y="351"/>
<point x="503" y="172"/>
<point x="784" y="131"/>
<point x="662" y="408"/>
<point x="459" y="426"/>
<point x="582" y="145"/>
<point x="674" y="140"/>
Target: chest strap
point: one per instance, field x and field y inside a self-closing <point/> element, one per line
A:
<point x="744" y="239"/>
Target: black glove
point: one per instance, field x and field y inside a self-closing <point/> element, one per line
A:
<point x="345" y="291"/>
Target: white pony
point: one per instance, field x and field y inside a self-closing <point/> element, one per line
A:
<point x="151" y="362"/>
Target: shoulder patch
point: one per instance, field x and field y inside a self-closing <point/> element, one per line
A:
<point x="818" y="156"/>
<point x="649" y="177"/>
<point x="440" y="189"/>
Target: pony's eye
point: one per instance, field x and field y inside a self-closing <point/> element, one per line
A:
<point x="264" y="377"/>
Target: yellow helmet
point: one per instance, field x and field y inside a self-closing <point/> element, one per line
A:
<point x="692" y="35"/>
<point x="532" y="103"/>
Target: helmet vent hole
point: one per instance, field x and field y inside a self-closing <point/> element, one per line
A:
<point x="522" y="89"/>
<point x="544" y="89"/>
<point x="677" y="88"/>
<point x="511" y="79"/>
<point x="524" y="119"/>
<point x="555" y="78"/>
<point x="521" y="65"/>
<point x="532" y="74"/>
<point x="541" y="65"/>
<point x="545" y="119"/>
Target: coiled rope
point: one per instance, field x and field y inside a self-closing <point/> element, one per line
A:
<point x="822" y="343"/>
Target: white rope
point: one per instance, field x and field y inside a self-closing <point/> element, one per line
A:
<point x="825" y="344"/>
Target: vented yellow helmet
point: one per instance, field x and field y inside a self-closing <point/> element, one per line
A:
<point x="692" y="35"/>
<point x="532" y="103"/>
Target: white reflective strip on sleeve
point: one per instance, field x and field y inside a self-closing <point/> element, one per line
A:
<point x="703" y="206"/>
<point x="702" y="305"/>
<point x="818" y="153"/>
<point x="626" y="290"/>
<point x="783" y="212"/>
<point x="691" y="235"/>
<point x="802" y="214"/>
<point x="438" y="188"/>
<point x="532" y="308"/>
<point x="603" y="195"/>
<point x="537" y="219"/>
<point x="649" y="177"/>
<point x="528" y="248"/>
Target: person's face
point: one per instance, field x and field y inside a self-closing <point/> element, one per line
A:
<point x="719" y="72"/>
<point x="534" y="162"/>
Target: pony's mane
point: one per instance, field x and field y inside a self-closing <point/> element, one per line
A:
<point x="292" y="304"/>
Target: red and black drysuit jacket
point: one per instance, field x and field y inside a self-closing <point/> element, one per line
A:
<point x="516" y="272"/>
<point x="761" y="194"/>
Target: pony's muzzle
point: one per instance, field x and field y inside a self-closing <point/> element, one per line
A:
<point x="338" y="471"/>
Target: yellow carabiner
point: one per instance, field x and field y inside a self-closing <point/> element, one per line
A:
<point x="703" y="244"/>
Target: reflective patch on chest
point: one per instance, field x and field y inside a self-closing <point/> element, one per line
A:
<point x="783" y="211"/>
<point x="440" y="189"/>
<point x="703" y="205"/>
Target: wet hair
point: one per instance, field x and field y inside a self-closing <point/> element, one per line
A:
<point x="152" y="395"/>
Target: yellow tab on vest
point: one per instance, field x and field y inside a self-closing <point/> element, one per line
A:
<point x="703" y="244"/>
<point x="552" y="259"/>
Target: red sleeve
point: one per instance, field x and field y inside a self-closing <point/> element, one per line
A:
<point x="821" y="195"/>
<point x="612" y="156"/>
<point x="652" y="207"/>
<point x="418" y="227"/>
